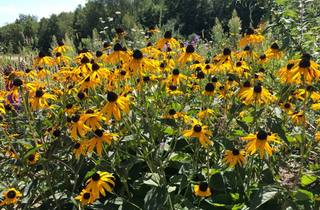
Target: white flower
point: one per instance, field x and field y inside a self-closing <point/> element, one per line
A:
<point x="106" y="27"/>
<point x="113" y="30"/>
<point x="102" y="32"/>
<point x="102" y="21"/>
<point x="134" y="30"/>
<point x="118" y="12"/>
<point x="110" y="19"/>
<point x="142" y="32"/>
<point x="100" y="18"/>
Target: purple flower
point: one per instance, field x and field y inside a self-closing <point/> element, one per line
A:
<point x="186" y="44"/>
<point x="193" y="43"/>
<point x="164" y="48"/>
<point x="205" y="46"/>
<point x="196" y="39"/>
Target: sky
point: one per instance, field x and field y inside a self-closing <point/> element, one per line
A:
<point x="10" y="9"/>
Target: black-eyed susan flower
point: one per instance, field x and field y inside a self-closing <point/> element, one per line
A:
<point x="83" y="53"/>
<point x="287" y="106"/>
<point x="70" y="109"/>
<point x="152" y="29"/>
<point x="38" y="99"/>
<point x="33" y="158"/>
<point x="284" y="74"/>
<point x="258" y="94"/>
<point x="246" y="54"/>
<point x="199" y="131"/>
<point x="79" y="147"/>
<point x="167" y="40"/>
<point x="117" y="56"/>
<point x="106" y="46"/>
<point x="307" y="68"/>
<point x="264" y="58"/>
<point x="100" y="136"/>
<point x="115" y="103"/>
<point x="89" y="83"/>
<point x="274" y="52"/>
<point x="100" y="56"/>
<point x="224" y="58"/>
<point x="30" y="73"/>
<point x="60" y="60"/>
<point x="174" y="115"/>
<point x="151" y="51"/>
<point x="14" y="92"/>
<point x="92" y="119"/>
<point x="202" y="190"/>
<point x="225" y="92"/>
<point x="139" y="63"/>
<point x="175" y="78"/>
<point x="233" y="157"/>
<point x="120" y="32"/>
<point x="297" y="117"/>
<point x="98" y="182"/>
<point x="252" y="36"/>
<point x="11" y="197"/>
<point x="260" y="141"/>
<point x="78" y="126"/>
<point x="205" y="112"/>
<point x="188" y="55"/>
<point x="172" y="90"/>
<point x="86" y="197"/>
<point x="61" y="48"/>
<point x="244" y="87"/>
<point x="42" y="59"/>
<point x="242" y="69"/>
<point x="209" y="89"/>
<point x="42" y="73"/>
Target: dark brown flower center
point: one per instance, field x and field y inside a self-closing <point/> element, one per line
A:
<point x="137" y="54"/>
<point x="31" y="157"/>
<point x="197" y="128"/>
<point x="11" y="194"/>
<point x="214" y="79"/>
<point x="168" y="35"/>
<point x="81" y="95"/>
<point x="173" y="87"/>
<point x="304" y="63"/>
<point x="95" y="67"/>
<point x="85" y="59"/>
<point x="39" y="93"/>
<point x="58" y="54"/>
<point x="190" y="49"/>
<point x="290" y="65"/>
<point x="75" y="118"/>
<point x="117" y="47"/>
<point x="235" y="152"/>
<point x="246" y="48"/>
<point x="112" y="96"/>
<point x="98" y="132"/>
<point x="17" y="82"/>
<point x="69" y="106"/>
<point x="203" y="186"/>
<point x="175" y="72"/>
<point x="275" y="46"/>
<point x="77" y="145"/>
<point x="151" y="27"/>
<point x="209" y="87"/>
<point x="226" y="51"/>
<point x="61" y="44"/>
<point x="200" y="75"/>
<point x="250" y="31"/>
<point x="287" y="105"/>
<point x="99" y="53"/>
<point x="119" y="30"/>
<point x="263" y="57"/>
<point x="56" y="133"/>
<point x="146" y="79"/>
<point x="86" y="196"/>
<point x="106" y="44"/>
<point x="262" y="135"/>
<point x="42" y="54"/>
<point x="246" y="84"/>
<point x="95" y="177"/>
<point x="238" y="64"/>
<point x="257" y="89"/>
<point x="172" y="112"/>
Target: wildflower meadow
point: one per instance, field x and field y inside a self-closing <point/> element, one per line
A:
<point x="144" y="119"/>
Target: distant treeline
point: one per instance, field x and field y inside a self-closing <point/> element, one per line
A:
<point x="185" y="16"/>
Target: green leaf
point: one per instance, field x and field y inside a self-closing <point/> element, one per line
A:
<point x="26" y="143"/>
<point x="307" y="179"/>
<point x="282" y="2"/>
<point x="285" y="43"/>
<point x="29" y="187"/>
<point x="265" y="194"/>
<point x="303" y="195"/>
<point x="155" y="198"/>
<point x="243" y="126"/>
<point x="276" y="127"/>
<point x="247" y="119"/>
<point x="265" y="18"/>
<point x="31" y="151"/>
<point x="290" y="13"/>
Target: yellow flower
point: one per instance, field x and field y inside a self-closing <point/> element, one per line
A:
<point x="100" y="136"/>
<point x="274" y="51"/>
<point x="260" y="141"/>
<point x="86" y="197"/>
<point x="33" y="158"/>
<point x="202" y="190"/>
<point x="61" y="48"/>
<point x="42" y="59"/>
<point x="167" y="39"/>
<point x="11" y="197"/>
<point x="257" y="93"/>
<point x="198" y="131"/>
<point x="98" y="182"/>
<point x="233" y="157"/>
<point x="79" y="147"/>
<point x="287" y="106"/>
<point x="252" y="36"/>
<point x="188" y="55"/>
